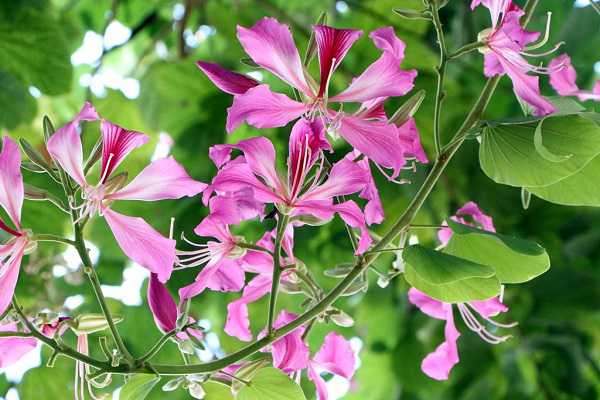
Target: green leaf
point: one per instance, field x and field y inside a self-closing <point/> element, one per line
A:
<point x="33" y="47"/>
<point x="543" y="150"/>
<point x="217" y="391"/>
<point x="580" y="189"/>
<point x="16" y="104"/>
<point x="514" y="260"/>
<point x="138" y="387"/>
<point x="508" y="152"/>
<point x="448" y="278"/>
<point x="271" y="384"/>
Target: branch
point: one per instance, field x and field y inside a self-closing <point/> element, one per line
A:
<point x="441" y="72"/>
<point x="281" y="227"/>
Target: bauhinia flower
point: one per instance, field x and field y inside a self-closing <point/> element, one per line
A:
<point x="164" y="178"/>
<point x="271" y="46"/>
<point x="297" y="195"/>
<point x="291" y="354"/>
<point x="563" y="80"/>
<point x="475" y="314"/>
<point x="225" y="261"/>
<point x="11" y="199"/>
<point x="506" y="45"/>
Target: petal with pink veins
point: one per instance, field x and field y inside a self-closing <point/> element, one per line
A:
<point x="345" y="177"/>
<point x="163" y="179"/>
<point x="377" y="140"/>
<point x="333" y="44"/>
<point x="226" y="80"/>
<point x="117" y="143"/>
<point x="162" y="305"/>
<point x="65" y="144"/>
<point x="142" y="243"/>
<point x="262" y="108"/>
<point x="270" y="44"/>
<point x="290" y="353"/>
<point x="411" y="141"/>
<point x="11" y="181"/>
<point x="260" y="156"/>
<point x="212" y="227"/>
<point x="228" y="277"/>
<point x="374" y="208"/>
<point x="233" y="207"/>
<point x="383" y="78"/>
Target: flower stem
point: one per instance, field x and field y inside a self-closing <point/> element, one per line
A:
<point x="465" y="49"/>
<point x="281" y="227"/>
<point x="441" y="72"/>
<point x="52" y="238"/>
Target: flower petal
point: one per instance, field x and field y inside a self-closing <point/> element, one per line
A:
<point x="262" y="108"/>
<point x="333" y="44"/>
<point x="383" y="78"/>
<point x="163" y="179"/>
<point x="228" y="81"/>
<point x="426" y="304"/>
<point x="162" y="305"/>
<point x="12" y="349"/>
<point x="345" y="177"/>
<point x="238" y="323"/>
<point x="320" y="384"/>
<point x="386" y="40"/>
<point x="9" y="272"/>
<point x="336" y="356"/>
<point x="290" y="353"/>
<point x="117" y="143"/>
<point x="212" y="227"/>
<point x="438" y="364"/>
<point x="142" y="243"/>
<point x="260" y="156"/>
<point x="374" y="208"/>
<point x="229" y="277"/>
<point x="65" y="144"/>
<point x="411" y="142"/>
<point x="233" y="207"/>
<point x="563" y="79"/>
<point x="11" y="180"/>
<point x="270" y="44"/>
<point x="377" y="140"/>
<point x="490" y="307"/>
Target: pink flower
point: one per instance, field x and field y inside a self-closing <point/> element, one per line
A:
<point x="270" y="44"/>
<point x="563" y="76"/>
<point x="164" y="309"/>
<point x="295" y="196"/>
<point x="226" y="262"/>
<point x="291" y="354"/>
<point x="163" y="179"/>
<point x="439" y="363"/>
<point x="11" y="199"/>
<point x="505" y="45"/>
<point x="469" y="211"/>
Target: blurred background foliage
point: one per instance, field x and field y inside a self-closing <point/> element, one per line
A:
<point x="134" y="59"/>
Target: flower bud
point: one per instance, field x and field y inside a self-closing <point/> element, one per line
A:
<point x="412" y="14"/>
<point x="407" y="110"/>
<point x="196" y="391"/>
<point x="91" y="323"/>
<point x="342" y="319"/>
<point x="173" y="384"/>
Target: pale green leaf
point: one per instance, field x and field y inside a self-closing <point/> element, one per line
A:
<point x="138" y="387"/>
<point x="217" y="391"/>
<point x="271" y="384"/>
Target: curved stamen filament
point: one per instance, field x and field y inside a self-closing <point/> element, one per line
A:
<point x="474" y="325"/>
<point x="546" y="34"/>
<point x="552" y="50"/>
<point x="389" y="177"/>
<point x="106" y="169"/>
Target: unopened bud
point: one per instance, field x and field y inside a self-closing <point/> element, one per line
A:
<point x="116" y="182"/>
<point x="342" y="319"/>
<point x="196" y="391"/>
<point x="173" y="384"/>
<point x="408" y="110"/>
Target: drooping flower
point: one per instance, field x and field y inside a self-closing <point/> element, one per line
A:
<point x="11" y="199"/>
<point x="563" y="80"/>
<point x="164" y="178"/>
<point x="165" y="311"/>
<point x="439" y="363"/>
<point x="506" y="45"/>
<point x="291" y="354"/>
<point x="270" y="44"/>
<point x="297" y="195"/>
<point x="225" y="261"/>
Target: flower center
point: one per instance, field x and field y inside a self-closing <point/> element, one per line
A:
<point x="483" y="37"/>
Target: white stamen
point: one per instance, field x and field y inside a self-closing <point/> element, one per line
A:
<point x="171" y="228"/>
<point x="105" y="172"/>
<point x="546" y="34"/>
<point x="389" y="177"/>
<point x="552" y="50"/>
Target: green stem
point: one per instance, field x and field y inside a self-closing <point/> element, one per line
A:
<point x="161" y="342"/>
<point x="52" y="238"/>
<point x="281" y="226"/>
<point x="441" y="72"/>
<point x="595" y="6"/>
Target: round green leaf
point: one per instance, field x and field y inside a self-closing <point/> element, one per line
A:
<point x="580" y="189"/>
<point x="138" y="387"/>
<point x="448" y="278"/>
<point x="509" y="154"/>
<point x="514" y="260"/>
<point x="271" y="384"/>
<point x="217" y="391"/>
